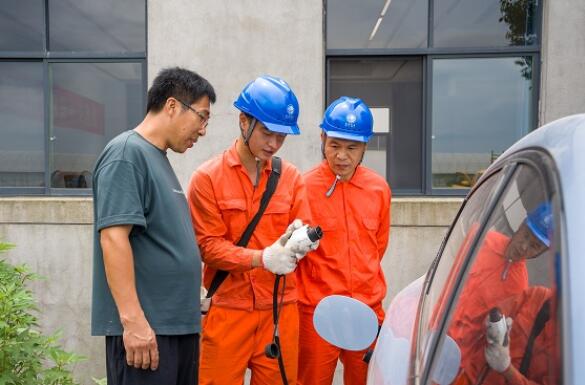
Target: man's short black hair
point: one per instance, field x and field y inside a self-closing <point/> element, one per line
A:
<point x="180" y="83"/>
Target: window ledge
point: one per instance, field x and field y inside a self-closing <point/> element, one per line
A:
<point x="424" y="211"/>
<point x="406" y="211"/>
<point x="46" y="210"/>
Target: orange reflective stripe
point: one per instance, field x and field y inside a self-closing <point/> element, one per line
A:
<point x="356" y="223"/>
<point x="222" y="201"/>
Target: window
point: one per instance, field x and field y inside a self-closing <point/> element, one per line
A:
<point x="501" y="257"/>
<point x="100" y="26"/>
<point x="479" y="108"/>
<point x="73" y="78"/>
<point x="513" y="273"/>
<point x="392" y="89"/>
<point x="22" y="148"/>
<point x="376" y="24"/>
<point x="455" y="82"/>
<point x="480" y="23"/>
<point x="450" y="261"/>
<point x="21" y="25"/>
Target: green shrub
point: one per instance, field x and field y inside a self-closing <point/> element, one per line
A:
<point x="27" y="357"/>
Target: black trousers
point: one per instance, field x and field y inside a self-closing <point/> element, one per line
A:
<point x="179" y="362"/>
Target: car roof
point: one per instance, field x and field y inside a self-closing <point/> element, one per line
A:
<point x="564" y="141"/>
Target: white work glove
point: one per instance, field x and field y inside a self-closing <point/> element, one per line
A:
<point x="277" y="258"/>
<point x="294" y="225"/>
<point x="497" y="351"/>
<point x="300" y="245"/>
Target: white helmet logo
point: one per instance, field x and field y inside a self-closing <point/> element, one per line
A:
<point x="350" y="120"/>
<point x="290" y="110"/>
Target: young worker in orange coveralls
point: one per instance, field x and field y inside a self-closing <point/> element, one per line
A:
<point x="224" y="195"/>
<point x="352" y="205"/>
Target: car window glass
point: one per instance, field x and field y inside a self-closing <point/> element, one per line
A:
<point x="456" y="247"/>
<point x="511" y="283"/>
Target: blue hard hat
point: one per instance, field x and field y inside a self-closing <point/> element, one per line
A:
<point x="540" y="222"/>
<point x="271" y="101"/>
<point x="348" y="118"/>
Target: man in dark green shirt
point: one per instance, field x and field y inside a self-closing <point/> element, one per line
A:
<point x="147" y="267"/>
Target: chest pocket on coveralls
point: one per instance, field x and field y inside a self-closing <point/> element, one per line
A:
<point x="277" y="216"/>
<point x="233" y="212"/>
<point x="332" y="237"/>
<point x="370" y="243"/>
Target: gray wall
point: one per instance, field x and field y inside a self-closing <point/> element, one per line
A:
<point x="53" y="236"/>
<point x="563" y="60"/>
<point x="231" y="43"/>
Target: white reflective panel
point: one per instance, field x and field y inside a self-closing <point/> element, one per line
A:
<point x="345" y="322"/>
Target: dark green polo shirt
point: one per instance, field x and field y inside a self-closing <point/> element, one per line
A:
<point x="134" y="184"/>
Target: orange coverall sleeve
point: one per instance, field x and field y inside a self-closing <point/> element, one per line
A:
<point x="217" y="251"/>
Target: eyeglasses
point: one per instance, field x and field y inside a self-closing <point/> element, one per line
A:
<point x="204" y="118"/>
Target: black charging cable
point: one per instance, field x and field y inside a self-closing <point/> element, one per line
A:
<point x="273" y="349"/>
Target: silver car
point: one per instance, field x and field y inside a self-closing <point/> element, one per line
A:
<point x="503" y="300"/>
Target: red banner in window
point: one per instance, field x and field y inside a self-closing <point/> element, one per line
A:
<point x="71" y="110"/>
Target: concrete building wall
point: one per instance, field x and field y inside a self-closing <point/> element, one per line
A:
<point x="54" y="237"/>
<point x="563" y="60"/>
<point x="231" y="43"/>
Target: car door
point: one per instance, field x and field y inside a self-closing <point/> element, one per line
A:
<point x="506" y="263"/>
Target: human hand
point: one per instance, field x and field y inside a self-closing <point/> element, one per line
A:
<point x="298" y="242"/>
<point x="294" y="225"/>
<point x="140" y="343"/>
<point x="278" y="259"/>
<point x="497" y="351"/>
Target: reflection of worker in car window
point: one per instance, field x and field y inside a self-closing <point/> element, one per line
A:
<point x="498" y="272"/>
<point x="528" y="354"/>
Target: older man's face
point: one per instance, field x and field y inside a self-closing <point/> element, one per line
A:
<point x="524" y="244"/>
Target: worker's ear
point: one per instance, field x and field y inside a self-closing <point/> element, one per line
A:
<point x="244" y="125"/>
<point x="244" y="122"/>
<point x="171" y="106"/>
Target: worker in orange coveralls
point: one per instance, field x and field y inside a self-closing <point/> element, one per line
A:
<point x="351" y="203"/>
<point x="499" y="279"/>
<point x="224" y="194"/>
<point x="494" y="275"/>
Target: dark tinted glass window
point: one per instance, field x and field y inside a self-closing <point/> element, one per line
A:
<point x="97" y="26"/>
<point x="455" y="250"/>
<point x="479" y="108"/>
<point x="21" y="25"/>
<point x="92" y="103"/>
<point x="22" y="134"/>
<point x="484" y="23"/>
<point x="512" y="276"/>
<point x="377" y="24"/>
<point x="393" y="90"/>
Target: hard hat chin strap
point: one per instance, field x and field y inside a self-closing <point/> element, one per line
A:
<point x="248" y="135"/>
